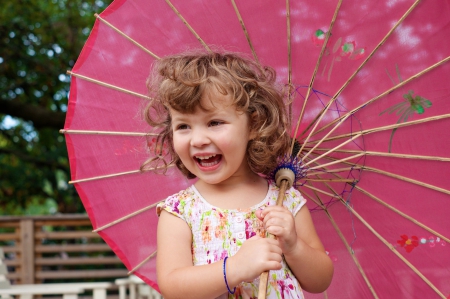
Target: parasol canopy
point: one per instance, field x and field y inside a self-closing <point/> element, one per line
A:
<point x="368" y="91"/>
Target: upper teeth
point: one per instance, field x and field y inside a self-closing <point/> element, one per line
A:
<point x="204" y="157"/>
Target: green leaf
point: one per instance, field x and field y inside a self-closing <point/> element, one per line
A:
<point x="427" y="103"/>
<point x="419" y="108"/>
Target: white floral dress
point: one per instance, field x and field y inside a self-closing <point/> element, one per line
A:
<point x="218" y="233"/>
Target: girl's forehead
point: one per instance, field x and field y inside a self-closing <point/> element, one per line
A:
<point x="209" y="105"/>
<point x="213" y="99"/>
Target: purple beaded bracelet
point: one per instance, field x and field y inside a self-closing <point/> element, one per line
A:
<point x="225" y="276"/>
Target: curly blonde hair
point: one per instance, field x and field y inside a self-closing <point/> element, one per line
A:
<point x="180" y="81"/>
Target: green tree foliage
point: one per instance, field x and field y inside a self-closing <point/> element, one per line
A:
<point x="39" y="41"/>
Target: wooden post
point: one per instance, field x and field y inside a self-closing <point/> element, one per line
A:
<point x="27" y="250"/>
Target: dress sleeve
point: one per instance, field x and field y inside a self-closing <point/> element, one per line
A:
<point x="294" y="201"/>
<point x="173" y="205"/>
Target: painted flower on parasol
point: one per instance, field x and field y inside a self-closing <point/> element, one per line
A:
<point x="413" y="103"/>
<point x="408" y="243"/>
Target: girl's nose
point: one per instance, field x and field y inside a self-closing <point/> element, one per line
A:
<point x="199" y="138"/>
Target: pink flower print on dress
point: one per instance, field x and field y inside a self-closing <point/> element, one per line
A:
<point x="222" y="219"/>
<point x="206" y="234"/>
<point x="285" y="288"/>
<point x="249" y="232"/>
<point x="219" y="232"/>
<point x="220" y="255"/>
<point x="175" y="207"/>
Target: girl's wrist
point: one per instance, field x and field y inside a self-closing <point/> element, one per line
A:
<point x="232" y="273"/>
<point x="295" y="249"/>
<point x="224" y="267"/>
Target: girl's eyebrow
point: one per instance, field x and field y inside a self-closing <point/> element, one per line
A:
<point x="179" y="118"/>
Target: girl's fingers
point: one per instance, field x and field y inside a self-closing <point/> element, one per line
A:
<point x="275" y="212"/>
<point x="281" y="220"/>
<point x="274" y="230"/>
<point x="258" y="255"/>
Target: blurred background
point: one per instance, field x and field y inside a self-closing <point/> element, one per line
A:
<point x="45" y="234"/>
<point x="39" y="40"/>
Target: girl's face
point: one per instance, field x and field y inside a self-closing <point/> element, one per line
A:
<point x="212" y="143"/>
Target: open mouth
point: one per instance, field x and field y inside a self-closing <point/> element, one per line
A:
<point x="208" y="161"/>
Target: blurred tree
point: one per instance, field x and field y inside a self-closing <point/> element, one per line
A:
<point x="39" y="41"/>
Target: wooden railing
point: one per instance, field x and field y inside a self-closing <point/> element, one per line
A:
<point x="56" y="248"/>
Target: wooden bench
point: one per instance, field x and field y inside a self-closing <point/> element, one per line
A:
<point x="67" y="290"/>
<point x="54" y="249"/>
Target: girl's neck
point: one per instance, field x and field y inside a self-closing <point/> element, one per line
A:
<point x="242" y="193"/>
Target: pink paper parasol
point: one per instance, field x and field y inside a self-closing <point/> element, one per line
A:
<point x="370" y="106"/>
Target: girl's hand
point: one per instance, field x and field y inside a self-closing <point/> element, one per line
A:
<point x="279" y="222"/>
<point x="254" y="257"/>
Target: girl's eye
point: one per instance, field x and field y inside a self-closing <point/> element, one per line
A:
<point x="182" y="127"/>
<point x="215" y="123"/>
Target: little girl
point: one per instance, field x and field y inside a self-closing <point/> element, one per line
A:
<point x="224" y="123"/>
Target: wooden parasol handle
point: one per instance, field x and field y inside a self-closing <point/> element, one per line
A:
<point x="263" y="279"/>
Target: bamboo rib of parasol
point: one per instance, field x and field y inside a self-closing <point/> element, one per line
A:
<point x="404" y="215"/>
<point x="247" y="36"/>
<point x="125" y="217"/>
<point x="265" y="275"/>
<point x="347" y="246"/>
<point x="384" y="241"/>
<point x="389" y="174"/>
<point x="395" y="210"/>
<point x="389" y="245"/>
<point x="103" y="176"/>
<point x="333" y="149"/>
<point x="142" y="263"/>
<point x="404" y="82"/>
<point x="389" y="155"/>
<point x="188" y="26"/>
<point x="93" y="132"/>
<point x="388" y="127"/>
<point x="334" y="170"/>
<point x="319" y="117"/>
<point x="126" y="36"/>
<point x="104" y="84"/>
<point x="106" y="176"/>
<point x="316" y="68"/>
<point x="412" y="267"/>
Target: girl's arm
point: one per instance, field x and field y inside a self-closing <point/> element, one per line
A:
<point x="308" y="260"/>
<point x="302" y="248"/>
<point x="178" y="278"/>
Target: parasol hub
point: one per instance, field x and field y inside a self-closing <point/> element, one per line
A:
<point x="285" y="174"/>
<point x="290" y="168"/>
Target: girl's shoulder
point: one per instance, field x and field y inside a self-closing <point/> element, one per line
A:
<point x="293" y="199"/>
<point x="176" y="203"/>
